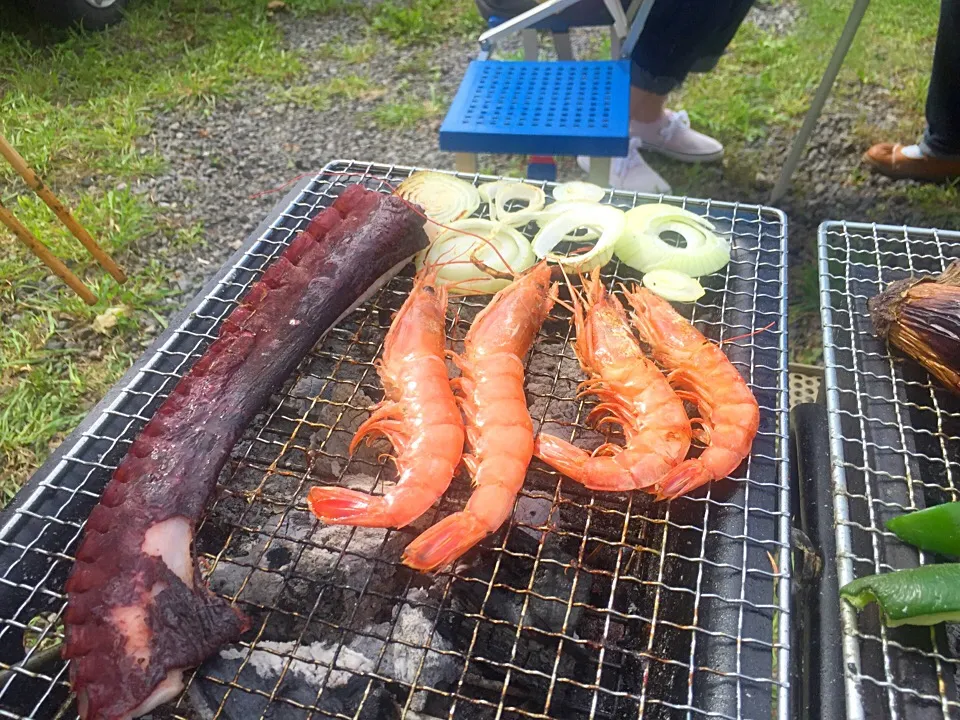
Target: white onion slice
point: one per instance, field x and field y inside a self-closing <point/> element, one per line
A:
<point x="507" y="192"/>
<point x="487" y="190"/>
<point x="673" y="286"/>
<point x="453" y="252"/>
<point x="556" y="209"/>
<point x="578" y="190"/>
<point x="606" y="219"/>
<point x="444" y="198"/>
<point x="643" y="248"/>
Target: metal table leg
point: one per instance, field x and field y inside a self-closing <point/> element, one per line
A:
<point x="823" y="92"/>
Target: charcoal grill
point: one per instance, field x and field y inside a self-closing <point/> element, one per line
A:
<point x="894" y="440"/>
<point x="584" y="605"/>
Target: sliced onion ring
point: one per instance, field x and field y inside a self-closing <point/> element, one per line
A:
<point x="605" y="218"/>
<point x="643" y="249"/>
<point x="554" y="210"/>
<point x="506" y="192"/>
<point x="444" y="198"/>
<point x="578" y="190"/>
<point x="461" y="258"/>
<point x="673" y="286"/>
<point x="488" y="189"/>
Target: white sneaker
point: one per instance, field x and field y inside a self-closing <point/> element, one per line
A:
<point x="631" y="173"/>
<point x="672" y="136"/>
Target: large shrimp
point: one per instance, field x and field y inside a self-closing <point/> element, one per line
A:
<point x="419" y="416"/>
<point x="634" y="394"/>
<point x="701" y="371"/>
<point x="499" y="429"/>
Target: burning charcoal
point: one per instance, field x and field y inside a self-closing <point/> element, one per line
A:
<point x="553" y="579"/>
<point x="538" y="511"/>
<point x="307" y="669"/>
<point x="329" y="449"/>
<point x="536" y="647"/>
<point x="306" y="389"/>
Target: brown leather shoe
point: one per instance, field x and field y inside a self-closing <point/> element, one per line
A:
<point x="888" y="159"/>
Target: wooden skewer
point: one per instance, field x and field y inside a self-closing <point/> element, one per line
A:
<point x="79" y="232"/>
<point x="48" y="258"/>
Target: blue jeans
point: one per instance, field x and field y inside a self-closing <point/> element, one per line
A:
<point x="680" y="36"/>
<point x="942" y="136"/>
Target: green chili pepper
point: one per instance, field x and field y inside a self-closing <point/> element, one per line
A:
<point x="919" y="596"/>
<point x="936" y="529"/>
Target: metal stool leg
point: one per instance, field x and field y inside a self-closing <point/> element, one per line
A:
<point x="561" y="43"/>
<point x="531" y="44"/>
<point x="600" y="171"/>
<point x="820" y="99"/>
<point x="465" y="162"/>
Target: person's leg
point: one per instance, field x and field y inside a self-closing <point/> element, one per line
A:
<point x="680" y="37"/>
<point x="942" y="137"/>
<point x="684" y="36"/>
<point x="937" y="156"/>
<point x="645" y="106"/>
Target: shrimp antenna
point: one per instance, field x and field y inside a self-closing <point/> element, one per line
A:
<point x="573" y="293"/>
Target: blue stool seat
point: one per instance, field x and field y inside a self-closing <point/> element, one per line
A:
<point x="554" y="107"/>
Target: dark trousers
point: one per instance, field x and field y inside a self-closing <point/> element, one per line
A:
<point x="684" y="36"/>
<point x="680" y="36"/>
<point x="942" y="136"/>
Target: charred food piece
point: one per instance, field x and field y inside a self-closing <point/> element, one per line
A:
<point x="138" y="612"/>
<point x="921" y="316"/>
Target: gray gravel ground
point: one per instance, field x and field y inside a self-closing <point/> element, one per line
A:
<point x="218" y="158"/>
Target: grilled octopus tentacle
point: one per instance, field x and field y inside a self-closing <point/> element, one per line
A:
<point x="138" y="611"/>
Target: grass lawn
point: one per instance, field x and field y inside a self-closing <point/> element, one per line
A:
<point x="76" y="107"/>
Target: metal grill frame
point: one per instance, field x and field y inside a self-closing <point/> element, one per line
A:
<point x="880" y="463"/>
<point x="712" y="689"/>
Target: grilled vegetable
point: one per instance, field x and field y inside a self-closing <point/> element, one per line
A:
<point x="605" y="218"/>
<point x="444" y="198"/>
<point x="921" y="316"/>
<point x="643" y="248"/>
<point x="506" y="192"/>
<point x="919" y="596"/>
<point x="936" y="529"/>
<point x="577" y="190"/>
<point x="673" y="286"/>
<point x="476" y="256"/>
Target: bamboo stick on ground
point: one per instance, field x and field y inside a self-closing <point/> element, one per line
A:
<point x="60" y="210"/>
<point x="48" y="258"/>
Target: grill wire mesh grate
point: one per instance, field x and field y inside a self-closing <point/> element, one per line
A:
<point x="895" y="435"/>
<point x="584" y="605"/>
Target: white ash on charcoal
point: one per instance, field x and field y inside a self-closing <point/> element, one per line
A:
<point x="258" y="565"/>
<point x="367" y="673"/>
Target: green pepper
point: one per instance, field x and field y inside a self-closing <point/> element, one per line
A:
<point x="919" y="596"/>
<point x="936" y="529"/>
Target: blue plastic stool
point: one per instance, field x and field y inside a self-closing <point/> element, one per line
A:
<point x="541" y="108"/>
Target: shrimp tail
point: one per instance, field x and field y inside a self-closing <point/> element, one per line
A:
<point x="442" y="544"/>
<point x="343" y="506"/>
<point x="684" y="478"/>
